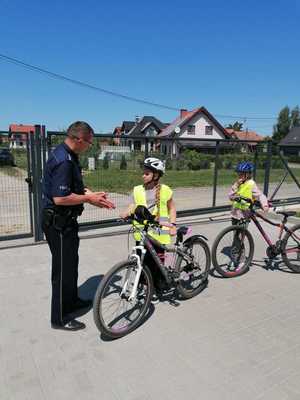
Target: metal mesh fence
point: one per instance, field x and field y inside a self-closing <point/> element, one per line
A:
<point x="199" y="171"/>
<point x="283" y="169"/>
<point x="15" y="210"/>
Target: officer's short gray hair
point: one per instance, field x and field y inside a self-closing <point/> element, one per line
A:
<point x="79" y="127"/>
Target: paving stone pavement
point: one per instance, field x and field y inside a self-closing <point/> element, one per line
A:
<point x="239" y="339"/>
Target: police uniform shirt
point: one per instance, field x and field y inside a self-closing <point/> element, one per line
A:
<point x="62" y="175"/>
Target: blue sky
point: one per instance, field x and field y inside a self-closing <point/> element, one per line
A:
<point x="235" y="58"/>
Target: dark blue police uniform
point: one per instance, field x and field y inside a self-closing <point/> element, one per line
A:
<point x="62" y="177"/>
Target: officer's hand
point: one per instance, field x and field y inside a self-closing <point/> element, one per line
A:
<point x="99" y="200"/>
<point x="103" y="194"/>
<point x="88" y="191"/>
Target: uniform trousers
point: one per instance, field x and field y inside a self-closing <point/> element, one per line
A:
<point x="64" y="246"/>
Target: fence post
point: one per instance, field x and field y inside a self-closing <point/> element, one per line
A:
<point x="36" y="159"/>
<point x="146" y="147"/>
<point x="268" y="167"/>
<point x="43" y="145"/>
<point x="29" y="176"/>
<point x="255" y="162"/>
<point x="216" y="173"/>
<point x="49" y="144"/>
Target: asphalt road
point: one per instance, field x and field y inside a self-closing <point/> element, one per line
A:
<point x="238" y="339"/>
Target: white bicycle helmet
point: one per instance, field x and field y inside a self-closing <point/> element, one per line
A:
<point x="155" y="164"/>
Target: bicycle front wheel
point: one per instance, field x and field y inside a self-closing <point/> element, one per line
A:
<point x="115" y="313"/>
<point x="193" y="271"/>
<point x="291" y="249"/>
<point x="232" y="251"/>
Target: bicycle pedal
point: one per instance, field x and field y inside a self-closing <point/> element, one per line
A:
<point x="174" y="303"/>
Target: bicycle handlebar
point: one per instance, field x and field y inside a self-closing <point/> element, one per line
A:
<point x="247" y="200"/>
<point x="240" y="198"/>
<point x="131" y="219"/>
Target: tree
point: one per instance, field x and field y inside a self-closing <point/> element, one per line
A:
<point x="287" y="119"/>
<point x="237" y="126"/>
<point x="295" y="117"/>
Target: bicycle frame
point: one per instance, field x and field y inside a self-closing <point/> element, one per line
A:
<point x="281" y="225"/>
<point x="147" y="245"/>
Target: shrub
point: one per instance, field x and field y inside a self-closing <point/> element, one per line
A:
<point x="169" y="163"/>
<point x="228" y="164"/>
<point x="180" y="164"/>
<point x="195" y="160"/>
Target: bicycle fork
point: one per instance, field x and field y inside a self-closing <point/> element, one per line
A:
<point x="130" y="285"/>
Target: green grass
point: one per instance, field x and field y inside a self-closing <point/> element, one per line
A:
<point x="119" y="181"/>
<point x="122" y="181"/>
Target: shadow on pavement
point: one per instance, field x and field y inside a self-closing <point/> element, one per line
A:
<point x="272" y="265"/>
<point x="88" y="289"/>
<point x="149" y="313"/>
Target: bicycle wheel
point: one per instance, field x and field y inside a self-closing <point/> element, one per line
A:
<point x="291" y="249"/>
<point x="115" y="315"/>
<point x="232" y="251"/>
<point x="193" y="275"/>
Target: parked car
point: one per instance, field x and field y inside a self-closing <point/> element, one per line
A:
<point x="6" y="157"/>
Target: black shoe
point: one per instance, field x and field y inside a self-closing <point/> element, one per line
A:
<point x="80" y="304"/>
<point x="73" y="325"/>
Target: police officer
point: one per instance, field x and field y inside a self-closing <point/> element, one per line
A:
<point x="63" y="198"/>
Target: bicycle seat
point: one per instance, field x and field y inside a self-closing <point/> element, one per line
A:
<point x="286" y="213"/>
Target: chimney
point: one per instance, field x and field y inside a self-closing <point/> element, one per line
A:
<point x="137" y="119"/>
<point x="183" y="112"/>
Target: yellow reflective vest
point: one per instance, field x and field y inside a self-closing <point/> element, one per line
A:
<point x="139" y="195"/>
<point x="244" y="190"/>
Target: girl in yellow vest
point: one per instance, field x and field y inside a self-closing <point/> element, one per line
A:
<point x="157" y="197"/>
<point x="244" y="186"/>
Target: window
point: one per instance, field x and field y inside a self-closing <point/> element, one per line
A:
<point x="151" y="131"/>
<point x="208" y="130"/>
<point x="191" y="129"/>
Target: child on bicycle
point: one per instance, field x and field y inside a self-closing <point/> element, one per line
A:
<point x="158" y="198"/>
<point x="245" y="187"/>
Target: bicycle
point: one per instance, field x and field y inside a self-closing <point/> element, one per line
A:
<point x="233" y="249"/>
<point x="124" y="295"/>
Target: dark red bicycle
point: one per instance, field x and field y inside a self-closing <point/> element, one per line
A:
<point x="233" y="249"/>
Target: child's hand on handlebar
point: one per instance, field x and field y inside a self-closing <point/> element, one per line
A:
<point x="173" y="230"/>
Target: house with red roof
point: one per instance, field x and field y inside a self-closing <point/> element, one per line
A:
<point x="189" y="125"/>
<point x="19" y="135"/>
<point x="246" y="135"/>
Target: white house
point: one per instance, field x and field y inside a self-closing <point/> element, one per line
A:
<point x="196" y="124"/>
<point x="114" y="153"/>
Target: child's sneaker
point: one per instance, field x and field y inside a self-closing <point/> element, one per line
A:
<point x="240" y="266"/>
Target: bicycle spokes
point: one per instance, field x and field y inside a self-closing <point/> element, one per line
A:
<point x="117" y="307"/>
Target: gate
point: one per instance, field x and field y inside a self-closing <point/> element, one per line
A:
<point x="16" y="211"/>
<point x="200" y="179"/>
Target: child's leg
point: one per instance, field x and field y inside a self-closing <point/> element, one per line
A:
<point x="158" y="278"/>
<point x="238" y="248"/>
